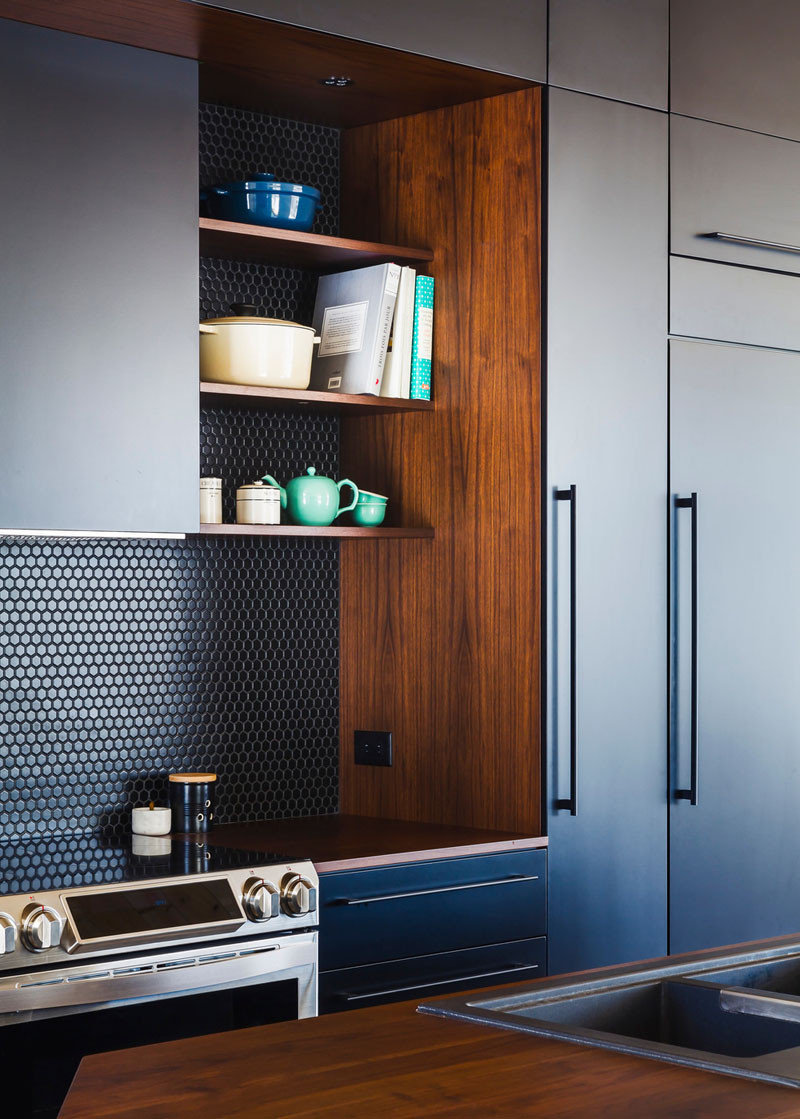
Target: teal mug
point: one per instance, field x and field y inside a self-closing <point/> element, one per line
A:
<point x="369" y="510"/>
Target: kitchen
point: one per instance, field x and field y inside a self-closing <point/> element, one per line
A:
<point x="183" y="648"/>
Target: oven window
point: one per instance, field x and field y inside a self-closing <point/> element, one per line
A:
<point x="153" y="908"/>
<point x="44" y="1055"/>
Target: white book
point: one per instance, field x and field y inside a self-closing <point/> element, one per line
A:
<point x="397" y="369"/>
<point x="353" y="317"/>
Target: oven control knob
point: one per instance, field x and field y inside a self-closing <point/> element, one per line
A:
<point x="298" y="895"/>
<point x="261" y="900"/>
<point x="41" y="928"/>
<point x="8" y="934"/>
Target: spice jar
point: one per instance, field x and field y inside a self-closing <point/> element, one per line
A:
<point x="191" y="800"/>
<point x="210" y="501"/>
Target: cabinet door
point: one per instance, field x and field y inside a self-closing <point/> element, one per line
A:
<point x="612" y="48"/>
<point x="734" y="196"/>
<point x="735" y="61"/>
<point x="734" y="443"/>
<point x="508" y="36"/>
<point x="607" y="381"/>
<point x="98" y="320"/>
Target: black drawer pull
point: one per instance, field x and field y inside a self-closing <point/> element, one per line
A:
<point x="756" y="242"/>
<point x="441" y="982"/>
<point x="438" y="890"/>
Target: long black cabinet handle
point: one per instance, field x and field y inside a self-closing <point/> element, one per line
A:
<point x="756" y="242"/>
<point x="510" y="881"/>
<point x="571" y="802"/>
<point x="690" y="794"/>
<point x="441" y="983"/>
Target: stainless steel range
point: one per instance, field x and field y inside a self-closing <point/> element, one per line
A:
<point x="182" y="940"/>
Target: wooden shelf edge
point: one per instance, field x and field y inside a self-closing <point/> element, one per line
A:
<point x="345" y="532"/>
<point x="310" y="250"/>
<point x="310" y="399"/>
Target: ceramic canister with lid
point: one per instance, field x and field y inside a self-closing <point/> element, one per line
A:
<point x="191" y="799"/>
<point x="258" y="504"/>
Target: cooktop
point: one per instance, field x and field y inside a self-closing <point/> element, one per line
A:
<point x="57" y="862"/>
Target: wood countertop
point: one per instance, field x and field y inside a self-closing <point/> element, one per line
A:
<point x="393" y="1063"/>
<point x="355" y="842"/>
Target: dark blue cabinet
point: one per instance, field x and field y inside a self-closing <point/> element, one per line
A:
<point x="418" y="928"/>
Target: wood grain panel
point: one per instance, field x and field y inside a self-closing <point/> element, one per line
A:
<point x="236" y="241"/>
<point x="391" y="1063"/>
<point x="441" y="644"/>
<point x="355" y="842"/>
<point x="332" y="403"/>
<point x="260" y="64"/>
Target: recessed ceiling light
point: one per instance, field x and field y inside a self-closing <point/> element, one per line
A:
<point x="338" y="83"/>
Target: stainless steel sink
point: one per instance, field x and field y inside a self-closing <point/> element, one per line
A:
<point x="735" y="1014"/>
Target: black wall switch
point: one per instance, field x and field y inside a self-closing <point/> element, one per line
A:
<point x="373" y="747"/>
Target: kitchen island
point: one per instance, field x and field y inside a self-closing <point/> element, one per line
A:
<point x="391" y="1061"/>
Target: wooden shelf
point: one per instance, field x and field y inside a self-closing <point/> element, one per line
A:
<point x="331" y="402"/>
<point x="332" y="531"/>
<point x="237" y="241"/>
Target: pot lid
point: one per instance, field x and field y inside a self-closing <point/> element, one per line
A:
<point x="268" y="185"/>
<point x="254" y="320"/>
<point x="192" y="778"/>
<point x="262" y="487"/>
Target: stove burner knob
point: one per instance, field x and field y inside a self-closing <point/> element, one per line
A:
<point x="41" y="928"/>
<point x="298" y="895"/>
<point x="8" y="934"/>
<point x="261" y="900"/>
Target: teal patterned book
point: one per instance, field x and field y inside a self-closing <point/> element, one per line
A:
<point x="422" y="344"/>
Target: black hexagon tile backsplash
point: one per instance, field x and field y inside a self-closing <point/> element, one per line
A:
<point x="124" y="660"/>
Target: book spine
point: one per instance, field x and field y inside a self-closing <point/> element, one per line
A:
<point x="384" y="327"/>
<point x="422" y="344"/>
<point x="397" y="368"/>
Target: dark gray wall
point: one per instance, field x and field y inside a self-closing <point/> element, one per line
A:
<point x="509" y="36"/>
<point x="98" y="225"/>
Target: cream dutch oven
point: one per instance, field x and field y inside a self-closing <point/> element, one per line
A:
<point x="247" y="349"/>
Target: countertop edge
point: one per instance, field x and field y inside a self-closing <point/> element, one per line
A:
<point x="364" y="862"/>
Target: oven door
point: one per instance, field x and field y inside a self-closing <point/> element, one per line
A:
<point x="50" y="1020"/>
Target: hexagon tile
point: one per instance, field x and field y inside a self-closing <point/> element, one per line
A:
<point x="125" y="660"/>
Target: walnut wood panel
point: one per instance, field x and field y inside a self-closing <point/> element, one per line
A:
<point x="259" y="64"/>
<point x="350" y="842"/>
<point x="396" y="1064"/>
<point x="441" y="645"/>
<point x="236" y="241"/>
<point x="347" y="532"/>
<point x="336" y="403"/>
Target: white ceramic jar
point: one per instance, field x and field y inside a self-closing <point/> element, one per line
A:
<point x="258" y="504"/>
<point x="210" y="501"/>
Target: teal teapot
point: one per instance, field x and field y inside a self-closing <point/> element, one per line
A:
<point x="313" y="501"/>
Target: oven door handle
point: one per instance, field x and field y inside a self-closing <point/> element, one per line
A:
<point x="116" y="980"/>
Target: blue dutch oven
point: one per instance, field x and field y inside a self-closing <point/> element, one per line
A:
<point x="260" y="200"/>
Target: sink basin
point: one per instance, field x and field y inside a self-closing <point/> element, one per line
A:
<point x="737" y="1015"/>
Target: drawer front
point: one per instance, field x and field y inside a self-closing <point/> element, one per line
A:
<point x="730" y="189"/>
<point x="746" y="305"/>
<point x="446" y="904"/>
<point x="440" y="974"/>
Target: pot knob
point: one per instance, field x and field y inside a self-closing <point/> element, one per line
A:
<point x="8" y="934"/>
<point x="261" y="900"/>
<point x="298" y="895"/>
<point x="41" y="928"/>
<point x="245" y="310"/>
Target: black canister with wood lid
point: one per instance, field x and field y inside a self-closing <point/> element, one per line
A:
<point x="191" y="798"/>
